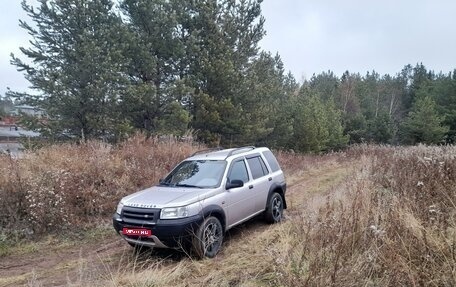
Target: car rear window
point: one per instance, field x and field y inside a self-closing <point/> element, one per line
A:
<point x="271" y="160"/>
<point x="257" y="167"/>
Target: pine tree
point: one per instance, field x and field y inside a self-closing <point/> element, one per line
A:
<point x="75" y="64"/>
<point x="158" y="65"/>
<point x="267" y="92"/>
<point x="423" y="124"/>
<point x="195" y="52"/>
<point x="225" y="36"/>
<point x="336" y="137"/>
<point x="443" y="90"/>
<point x="310" y="127"/>
<point x="380" y="128"/>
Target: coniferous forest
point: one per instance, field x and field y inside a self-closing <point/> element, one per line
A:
<point x="105" y="70"/>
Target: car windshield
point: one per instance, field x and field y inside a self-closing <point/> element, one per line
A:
<point x="196" y="174"/>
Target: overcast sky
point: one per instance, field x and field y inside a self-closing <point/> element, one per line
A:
<point x="361" y="35"/>
<point x="315" y="36"/>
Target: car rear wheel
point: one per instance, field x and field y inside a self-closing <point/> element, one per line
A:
<point x="274" y="209"/>
<point x="208" y="238"/>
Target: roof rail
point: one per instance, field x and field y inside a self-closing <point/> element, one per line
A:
<point x="207" y="150"/>
<point x="238" y="150"/>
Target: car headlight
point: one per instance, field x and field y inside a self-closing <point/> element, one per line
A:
<point x="174" y="212"/>
<point x="119" y="207"/>
<point x="179" y="212"/>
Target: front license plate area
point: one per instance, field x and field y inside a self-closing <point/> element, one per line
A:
<point x="141" y="232"/>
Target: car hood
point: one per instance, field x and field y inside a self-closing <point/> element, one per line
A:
<point x="160" y="196"/>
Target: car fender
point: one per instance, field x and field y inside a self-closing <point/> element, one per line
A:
<point x="279" y="188"/>
<point x="217" y="211"/>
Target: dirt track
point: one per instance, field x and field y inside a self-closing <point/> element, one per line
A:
<point x="78" y="264"/>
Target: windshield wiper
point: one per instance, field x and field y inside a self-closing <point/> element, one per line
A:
<point x="187" y="185"/>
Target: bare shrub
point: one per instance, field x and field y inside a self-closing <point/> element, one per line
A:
<point x="71" y="185"/>
<point x="396" y="225"/>
<point x="297" y="164"/>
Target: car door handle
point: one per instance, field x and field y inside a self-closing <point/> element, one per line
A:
<point x="270" y="178"/>
<point x="250" y="186"/>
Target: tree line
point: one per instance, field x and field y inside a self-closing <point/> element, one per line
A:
<point x="102" y="70"/>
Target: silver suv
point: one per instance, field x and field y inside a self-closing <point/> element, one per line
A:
<point x="203" y="197"/>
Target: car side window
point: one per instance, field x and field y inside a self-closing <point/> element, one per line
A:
<point x="239" y="171"/>
<point x="257" y="167"/>
<point x="271" y="160"/>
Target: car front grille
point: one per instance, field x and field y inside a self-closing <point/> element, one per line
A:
<point x="140" y="216"/>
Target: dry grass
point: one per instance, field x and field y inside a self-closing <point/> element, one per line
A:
<point x="254" y="255"/>
<point x="394" y="226"/>
<point x="70" y="185"/>
<point x="391" y="222"/>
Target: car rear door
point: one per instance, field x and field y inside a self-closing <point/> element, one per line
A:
<point x="260" y="182"/>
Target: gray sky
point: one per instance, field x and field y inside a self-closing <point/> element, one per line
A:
<point x="11" y="38"/>
<point x="315" y="36"/>
<point x="361" y="35"/>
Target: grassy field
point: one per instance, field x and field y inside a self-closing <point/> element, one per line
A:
<point x="370" y="216"/>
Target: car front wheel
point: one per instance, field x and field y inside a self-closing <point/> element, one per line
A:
<point x="208" y="238"/>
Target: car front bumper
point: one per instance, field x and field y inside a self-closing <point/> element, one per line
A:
<point x="166" y="233"/>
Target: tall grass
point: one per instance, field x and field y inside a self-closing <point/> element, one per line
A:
<point x="61" y="186"/>
<point x="69" y="185"/>
<point x="394" y="226"/>
<point x="390" y="223"/>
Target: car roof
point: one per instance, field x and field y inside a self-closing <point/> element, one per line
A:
<point x="225" y="153"/>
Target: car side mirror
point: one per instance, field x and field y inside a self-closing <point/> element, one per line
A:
<point x="234" y="184"/>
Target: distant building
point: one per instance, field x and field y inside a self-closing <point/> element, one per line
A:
<point x="28" y="110"/>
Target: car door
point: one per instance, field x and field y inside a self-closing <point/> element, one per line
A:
<point x="260" y="182"/>
<point x="238" y="200"/>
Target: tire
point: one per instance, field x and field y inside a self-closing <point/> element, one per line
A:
<point x="208" y="238"/>
<point x="274" y="208"/>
